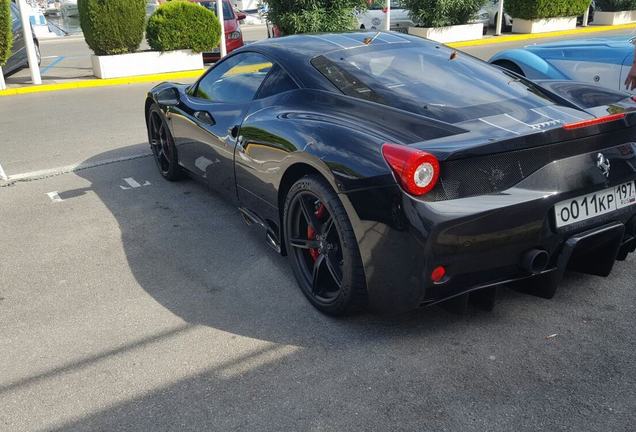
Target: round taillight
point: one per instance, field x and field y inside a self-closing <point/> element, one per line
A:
<point x="416" y="170"/>
<point x="438" y="273"/>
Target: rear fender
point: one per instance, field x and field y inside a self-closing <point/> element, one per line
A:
<point x="533" y="66"/>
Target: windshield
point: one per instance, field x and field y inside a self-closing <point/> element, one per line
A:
<point x="227" y="9"/>
<point x="431" y="80"/>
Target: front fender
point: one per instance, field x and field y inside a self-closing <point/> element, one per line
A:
<point x="533" y="66"/>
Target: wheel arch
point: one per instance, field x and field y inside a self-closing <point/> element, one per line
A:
<point x="531" y="64"/>
<point x="148" y="104"/>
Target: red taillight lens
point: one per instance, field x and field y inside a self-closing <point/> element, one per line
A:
<point x="599" y="120"/>
<point x="417" y="171"/>
<point x="438" y="273"/>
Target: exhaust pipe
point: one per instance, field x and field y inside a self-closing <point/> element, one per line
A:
<point x="535" y="261"/>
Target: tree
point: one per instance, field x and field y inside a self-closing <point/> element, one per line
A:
<point x="311" y="16"/>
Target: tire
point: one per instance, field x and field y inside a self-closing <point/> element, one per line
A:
<point x="511" y="66"/>
<point x="335" y="253"/>
<point x="505" y="28"/>
<point x="162" y="145"/>
<point x="38" y="55"/>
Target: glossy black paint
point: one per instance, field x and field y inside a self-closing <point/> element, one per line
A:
<point x="253" y="152"/>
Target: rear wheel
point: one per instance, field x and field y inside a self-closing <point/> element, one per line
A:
<point x="162" y="145"/>
<point x="322" y="248"/>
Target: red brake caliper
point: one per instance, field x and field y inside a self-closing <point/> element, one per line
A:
<point x="311" y="233"/>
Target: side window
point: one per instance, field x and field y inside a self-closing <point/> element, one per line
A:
<point x="235" y="80"/>
<point x="278" y="81"/>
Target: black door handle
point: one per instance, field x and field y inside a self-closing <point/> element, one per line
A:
<point x="204" y="117"/>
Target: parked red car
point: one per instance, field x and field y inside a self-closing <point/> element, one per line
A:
<point x="233" y="34"/>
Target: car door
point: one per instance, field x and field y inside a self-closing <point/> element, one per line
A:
<point x="207" y="119"/>
<point x="18" y="55"/>
<point x="264" y="143"/>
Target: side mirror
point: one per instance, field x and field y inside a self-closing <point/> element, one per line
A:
<point x="240" y="15"/>
<point x="168" y="97"/>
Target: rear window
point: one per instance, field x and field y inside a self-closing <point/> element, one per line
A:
<point x="428" y="80"/>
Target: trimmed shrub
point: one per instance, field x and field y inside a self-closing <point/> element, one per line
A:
<point x="441" y="13"/>
<point x="183" y="25"/>
<point x="615" y="5"/>
<point x="538" y="9"/>
<point x="6" y="31"/>
<point x="112" y="26"/>
<point x="313" y="16"/>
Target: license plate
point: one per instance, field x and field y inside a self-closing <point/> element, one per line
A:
<point x="595" y="204"/>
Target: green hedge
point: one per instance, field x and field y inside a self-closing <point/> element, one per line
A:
<point x="537" y="9"/>
<point x="312" y="16"/>
<point x="112" y="26"/>
<point x="615" y="5"/>
<point x="6" y="31"/>
<point x="441" y="13"/>
<point x="183" y="25"/>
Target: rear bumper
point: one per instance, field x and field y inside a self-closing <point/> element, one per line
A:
<point x="481" y="241"/>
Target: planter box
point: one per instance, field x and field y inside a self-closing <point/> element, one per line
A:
<point x="451" y="33"/>
<point x="145" y="63"/>
<point x="544" y="25"/>
<point x="614" y="18"/>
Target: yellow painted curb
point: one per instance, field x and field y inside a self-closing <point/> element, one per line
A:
<point x="523" y="37"/>
<point x="102" y="82"/>
<point x="195" y="74"/>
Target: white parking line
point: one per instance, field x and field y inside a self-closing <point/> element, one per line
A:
<point x="3" y="175"/>
<point x="133" y="183"/>
<point x="55" y="197"/>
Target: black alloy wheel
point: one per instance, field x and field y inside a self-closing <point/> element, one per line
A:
<point x="322" y="247"/>
<point x="162" y="145"/>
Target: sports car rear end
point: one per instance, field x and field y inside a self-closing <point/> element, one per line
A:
<point x="532" y="180"/>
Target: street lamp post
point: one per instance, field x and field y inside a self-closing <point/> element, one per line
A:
<point x="387" y="23"/>
<point x="28" y="43"/>
<point x="219" y="13"/>
<point x="500" y="17"/>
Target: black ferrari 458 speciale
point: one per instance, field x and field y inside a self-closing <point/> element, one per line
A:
<point x="395" y="172"/>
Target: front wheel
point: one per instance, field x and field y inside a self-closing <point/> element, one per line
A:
<point x="162" y="145"/>
<point x="322" y="248"/>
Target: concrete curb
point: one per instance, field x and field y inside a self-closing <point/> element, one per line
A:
<point x="521" y="37"/>
<point x="101" y="82"/>
<point x="52" y="172"/>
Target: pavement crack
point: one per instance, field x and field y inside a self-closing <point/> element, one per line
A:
<point x="53" y="172"/>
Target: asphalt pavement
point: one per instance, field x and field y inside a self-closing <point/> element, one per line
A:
<point x="132" y="303"/>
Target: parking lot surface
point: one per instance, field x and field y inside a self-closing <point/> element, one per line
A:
<point x="131" y="303"/>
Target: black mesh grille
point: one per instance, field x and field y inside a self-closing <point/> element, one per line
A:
<point x="481" y="175"/>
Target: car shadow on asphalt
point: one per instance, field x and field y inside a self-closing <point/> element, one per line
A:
<point x="191" y="251"/>
<point x="429" y="369"/>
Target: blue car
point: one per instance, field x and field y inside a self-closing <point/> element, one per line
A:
<point x="600" y="61"/>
